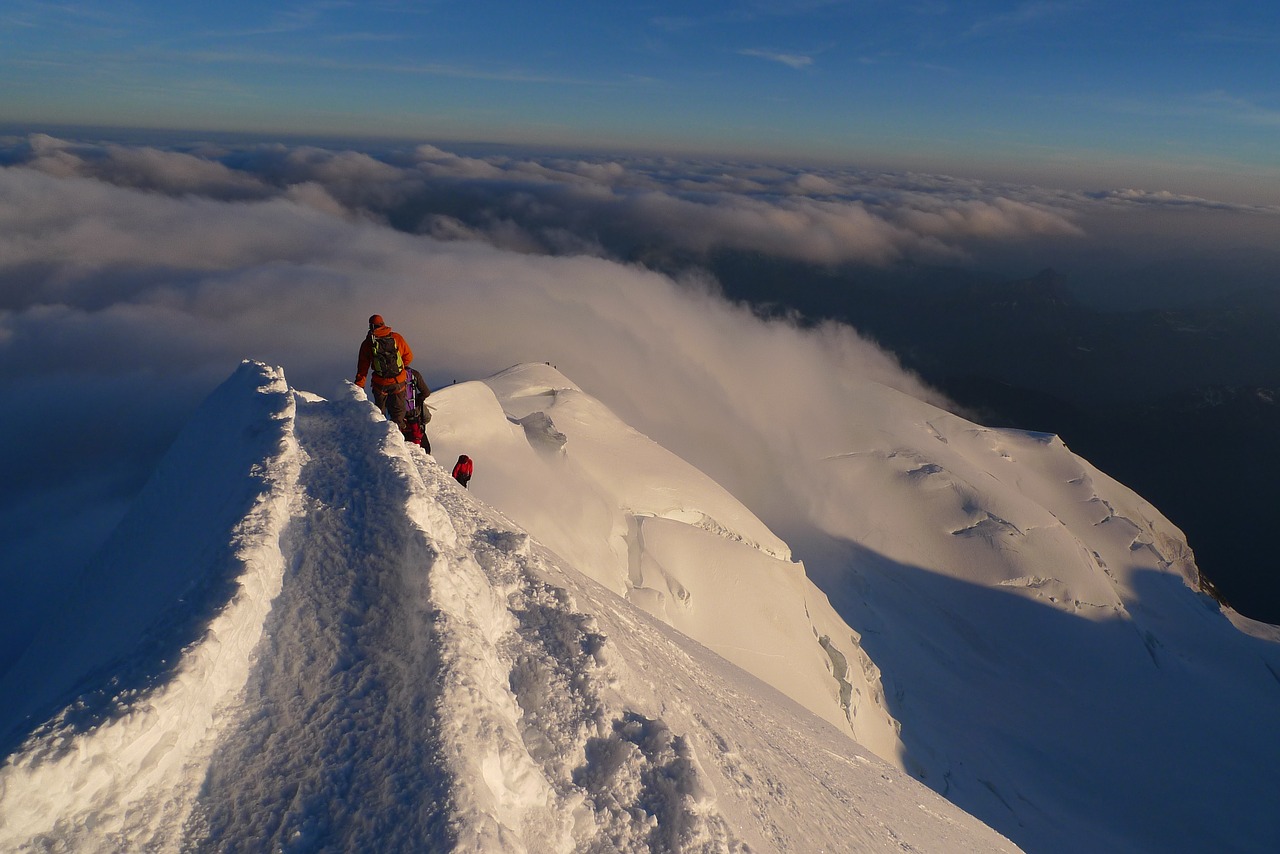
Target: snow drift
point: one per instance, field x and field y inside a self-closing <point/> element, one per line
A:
<point x="305" y="636"/>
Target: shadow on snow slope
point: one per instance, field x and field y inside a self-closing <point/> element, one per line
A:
<point x="174" y="562"/>
<point x="1067" y="733"/>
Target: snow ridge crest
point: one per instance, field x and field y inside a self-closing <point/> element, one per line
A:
<point x="391" y="664"/>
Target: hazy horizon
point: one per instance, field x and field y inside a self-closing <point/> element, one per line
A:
<point x="1061" y="92"/>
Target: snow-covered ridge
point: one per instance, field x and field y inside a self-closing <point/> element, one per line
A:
<point x="306" y="636"/>
<point x="621" y="460"/>
<point x="380" y="661"/>
<point x="196" y="565"/>
<point x="1010" y="624"/>
<point x="652" y="528"/>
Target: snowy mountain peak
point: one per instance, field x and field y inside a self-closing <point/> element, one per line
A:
<point x="377" y="659"/>
<point x="652" y="528"/>
<point x="621" y="463"/>
<point x="306" y="636"/>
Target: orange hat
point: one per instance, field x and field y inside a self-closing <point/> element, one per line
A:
<point x="376" y="320"/>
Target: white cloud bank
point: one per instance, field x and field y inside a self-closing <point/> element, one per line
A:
<point x="560" y="205"/>
<point x="106" y="289"/>
<point x="157" y="271"/>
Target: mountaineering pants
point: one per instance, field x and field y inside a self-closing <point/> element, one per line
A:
<point x="390" y="399"/>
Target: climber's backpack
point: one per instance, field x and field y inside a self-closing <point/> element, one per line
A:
<point x="416" y="392"/>
<point x="387" y="361"/>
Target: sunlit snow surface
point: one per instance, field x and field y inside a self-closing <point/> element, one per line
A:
<point x="1010" y="625"/>
<point x="307" y="637"/>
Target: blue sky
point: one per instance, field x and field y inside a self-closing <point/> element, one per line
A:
<point x="1179" y="95"/>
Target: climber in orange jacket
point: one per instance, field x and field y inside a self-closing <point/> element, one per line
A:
<point x="385" y="357"/>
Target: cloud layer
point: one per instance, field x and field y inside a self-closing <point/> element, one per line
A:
<point x="134" y="279"/>
<point x="613" y="207"/>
